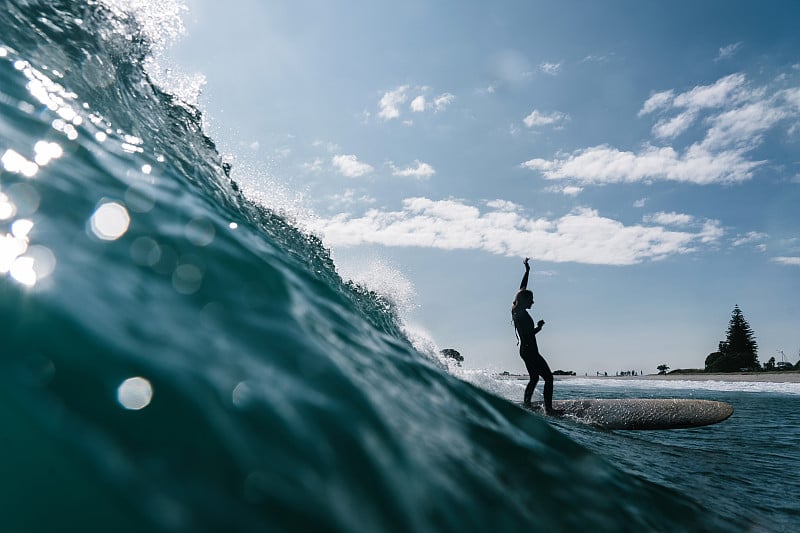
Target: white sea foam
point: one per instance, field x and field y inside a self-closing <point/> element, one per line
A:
<point x="712" y="385"/>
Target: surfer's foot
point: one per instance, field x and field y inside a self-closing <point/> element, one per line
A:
<point x="527" y="404"/>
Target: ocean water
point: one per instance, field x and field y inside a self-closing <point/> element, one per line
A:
<point x="176" y="357"/>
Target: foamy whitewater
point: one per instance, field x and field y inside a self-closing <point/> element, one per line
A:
<point x="178" y="357"/>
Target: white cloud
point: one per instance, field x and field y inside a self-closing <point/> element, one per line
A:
<point x="539" y="118"/>
<point x="669" y="219"/>
<point x="736" y="119"/>
<point x="726" y="52"/>
<point x="749" y="238"/>
<point x="567" y="190"/>
<point x="503" y="205"/>
<point x="795" y="261"/>
<point x="668" y="129"/>
<point x="581" y="236"/>
<point x="604" y="164"/>
<point x="350" y="166"/>
<point x="591" y="58"/>
<point x="551" y="69"/>
<point x="327" y="146"/>
<point x="391" y="101"/>
<point x="420" y="171"/>
<point x="714" y="95"/>
<point x="442" y="101"/>
<point x="349" y="198"/>
<point x="640" y="202"/>
<point x="314" y="166"/>
<point x="657" y="101"/>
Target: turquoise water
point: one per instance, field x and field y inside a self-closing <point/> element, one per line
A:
<point x="176" y="357"/>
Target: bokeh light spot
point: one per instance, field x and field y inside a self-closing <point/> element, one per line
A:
<point x="200" y="232"/>
<point x="135" y="393"/>
<point x="110" y="221"/>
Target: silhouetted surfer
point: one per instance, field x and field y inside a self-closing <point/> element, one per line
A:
<point x="528" y="349"/>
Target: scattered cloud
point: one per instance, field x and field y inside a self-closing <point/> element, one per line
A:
<point x="749" y="238"/>
<point x="348" y="199"/>
<point x="350" y="166"/>
<point x="640" y="202"/>
<point x="591" y="58"/>
<point x="503" y="205"/>
<point x="734" y="117"/>
<point x="551" y="69"/>
<point x="657" y="101"/>
<point x="669" y="219"/>
<point x="582" y="236"/>
<point x="729" y="51"/>
<point x="313" y="166"/>
<point x="539" y="118"/>
<point x="794" y="261"/>
<point x="442" y="101"/>
<point x="391" y="101"/>
<point x="329" y="147"/>
<point x="420" y="171"/>
<point x="439" y="103"/>
<point x="605" y="164"/>
<point x="567" y="190"/>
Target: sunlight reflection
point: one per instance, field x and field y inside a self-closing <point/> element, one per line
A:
<point x="135" y="393"/>
<point x="22" y="271"/>
<point x="14" y="162"/>
<point x="21" y="228"/>
<point x="25" y="197"/>
<point x="7" y="207"/>
<point x="46" y="152"/>
<point x="110" y="221"/>
<point x="10" y="248"/>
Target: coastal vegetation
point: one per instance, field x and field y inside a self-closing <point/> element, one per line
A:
<point x="739" y="350"/>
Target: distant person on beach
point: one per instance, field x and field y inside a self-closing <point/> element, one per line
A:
<point x="528" y="349"/>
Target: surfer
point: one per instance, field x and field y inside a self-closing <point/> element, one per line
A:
<point x="528" y="349"/>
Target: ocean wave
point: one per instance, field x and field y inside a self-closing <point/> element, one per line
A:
<point x="179" y="357"/>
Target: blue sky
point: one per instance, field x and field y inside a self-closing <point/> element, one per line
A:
<point x="645" y="155"/>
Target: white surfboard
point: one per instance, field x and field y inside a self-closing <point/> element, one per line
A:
<point x="641" y="413"/>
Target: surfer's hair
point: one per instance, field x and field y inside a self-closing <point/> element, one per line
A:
<point x="523" y="295"/>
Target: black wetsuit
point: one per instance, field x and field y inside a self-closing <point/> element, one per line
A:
<point x="529" y="352"/>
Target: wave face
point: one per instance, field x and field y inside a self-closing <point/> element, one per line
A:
<point x="178" y="358"/>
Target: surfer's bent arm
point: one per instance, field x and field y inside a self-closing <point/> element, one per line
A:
<point x="524" y="284"/>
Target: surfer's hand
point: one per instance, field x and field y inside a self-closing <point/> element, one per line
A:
<point x="527" y="266"/>
<point x="540" y="323"/>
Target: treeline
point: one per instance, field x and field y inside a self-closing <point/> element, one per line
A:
<point x="739" y="351"/>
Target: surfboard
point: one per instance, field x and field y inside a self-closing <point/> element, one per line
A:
<point x="641" y="413"/>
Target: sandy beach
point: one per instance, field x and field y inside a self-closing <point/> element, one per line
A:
<point x="768" y="377"/>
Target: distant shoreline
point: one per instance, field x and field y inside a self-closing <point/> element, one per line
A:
<point x="786" y="376"/>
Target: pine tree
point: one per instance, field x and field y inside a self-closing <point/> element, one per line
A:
<point x="739" y="349"/>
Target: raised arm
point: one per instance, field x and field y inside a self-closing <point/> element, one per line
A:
<point x="524" y="284"/>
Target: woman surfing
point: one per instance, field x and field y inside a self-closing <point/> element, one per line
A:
<point x="528" y="348"/>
